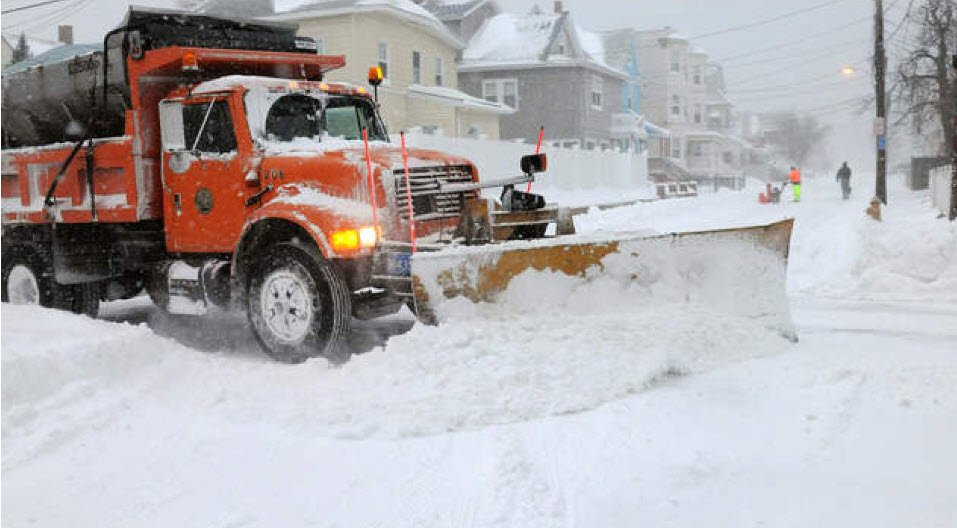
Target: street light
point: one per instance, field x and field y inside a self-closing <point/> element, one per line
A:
<point x="848" y="71"/>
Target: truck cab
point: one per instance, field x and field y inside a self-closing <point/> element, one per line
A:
<point x="217" y="178"/>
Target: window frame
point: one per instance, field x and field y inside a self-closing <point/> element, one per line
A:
<point x="597" y="92"/>
<point x="439" y="65"/>
<point x="499" y="85"/>
<point x="416" y="67"/>
<point x="382" y="56"/>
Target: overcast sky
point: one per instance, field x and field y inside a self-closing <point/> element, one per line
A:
<point x="793" y="63"/>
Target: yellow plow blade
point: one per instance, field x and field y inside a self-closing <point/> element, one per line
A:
<point x="740" y="269"/>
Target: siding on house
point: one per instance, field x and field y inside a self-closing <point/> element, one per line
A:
<point x="358" y="36"/>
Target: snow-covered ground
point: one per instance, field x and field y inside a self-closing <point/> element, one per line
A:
<point x="586" y="414"/>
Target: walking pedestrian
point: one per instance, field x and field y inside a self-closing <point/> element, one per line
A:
<point x="844" y="176"/>
<point x="795" y="178"/>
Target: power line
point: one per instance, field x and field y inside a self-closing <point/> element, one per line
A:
<point x="31" y="6"/>
<point x="803" y="39"/>
<point x="767" y="20"/>
<point x="51" y="18"/>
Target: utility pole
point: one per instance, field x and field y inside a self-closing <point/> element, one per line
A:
<point x="880" y="127"/>
<point x="953" y="161"/>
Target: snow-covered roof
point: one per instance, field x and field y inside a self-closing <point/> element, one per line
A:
<point x="53" y="55"/>
<point x="37" y="45"/>
<point x="512" y="40"/>
<point x="513" y="37"/>
<point x="303" y="9"/>
<point x="459" y="99"/>
<point x="452" y="9"/>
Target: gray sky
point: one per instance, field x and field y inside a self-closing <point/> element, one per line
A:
<point x="792" y="64"/>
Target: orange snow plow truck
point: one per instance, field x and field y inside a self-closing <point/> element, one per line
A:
<point x="208" y="162"/>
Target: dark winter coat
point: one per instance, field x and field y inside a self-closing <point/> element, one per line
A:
<point x="844" y="173"/>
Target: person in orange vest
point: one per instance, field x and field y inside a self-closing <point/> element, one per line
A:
<point x="795" y="179"/>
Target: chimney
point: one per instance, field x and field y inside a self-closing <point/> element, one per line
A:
<point x="559" y="7"/>
<point x="65" y="35"/>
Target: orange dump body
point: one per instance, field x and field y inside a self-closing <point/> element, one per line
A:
<point x="207" y="202"/>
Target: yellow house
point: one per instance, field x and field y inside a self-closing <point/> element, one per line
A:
<point x="417" y="54"/>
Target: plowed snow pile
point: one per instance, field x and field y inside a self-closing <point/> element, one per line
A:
<point x="475" y="370"/>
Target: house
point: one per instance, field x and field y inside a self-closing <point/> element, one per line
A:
<point x="684" y="91"/>
<point x="7" y="52"/>
<point x="463" y="17"/>
<point x="34" y="46"/>
<point x="551" y="72"/>
<point x="418" y="56"/>
<point x="631" y="127"/>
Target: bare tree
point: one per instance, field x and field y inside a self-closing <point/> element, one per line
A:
<point x="927" y="86"/>
<point x="797" y="136"/>
<point x="22" y="50"/>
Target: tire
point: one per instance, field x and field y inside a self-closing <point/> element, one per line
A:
<point x="28" y="279"/>
<point x="299" y="305"/>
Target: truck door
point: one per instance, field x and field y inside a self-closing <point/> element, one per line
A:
<point x="204" y="195"/>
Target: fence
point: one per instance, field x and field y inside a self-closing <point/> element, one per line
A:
<point x="940" y="188"/>
<point x="568" y="169"/>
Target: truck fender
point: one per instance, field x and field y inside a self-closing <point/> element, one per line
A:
<point x="278" y="221"/>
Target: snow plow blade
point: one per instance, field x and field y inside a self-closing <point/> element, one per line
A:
<point x="742" y="270"/>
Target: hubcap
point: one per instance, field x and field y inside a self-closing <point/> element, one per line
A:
<point x="286" y="306"/>
<point x="22" y="286"/>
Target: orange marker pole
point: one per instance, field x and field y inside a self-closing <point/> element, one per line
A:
<point x="538" y="150"/>
<point x="408" y="191"/>
<point x="372" y="194"/>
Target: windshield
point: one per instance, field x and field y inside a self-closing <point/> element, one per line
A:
<point x="315" y="116"/>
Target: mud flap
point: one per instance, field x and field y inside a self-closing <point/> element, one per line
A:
<point x="741" y="270"/>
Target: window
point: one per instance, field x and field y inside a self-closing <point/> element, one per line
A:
<point x="384" y="59"/>
<point x="490" y="91"/>
<point x="675" y="61"/>
<point x="320" y="46"/>
<point x="596" y="93"/>
<point x="697" y="113"/>
<point x="676" y="148"/>
<point x="293" y="116"/>
<point x="696" y="150"/>
<point x="697" y="74"/>
<point x="675" y="105"/>
<point x="503" y="91"/>
<point x="439" y="72"/>
<point x="416" y="67"/>
<point x="345" y="117"/>
<point x="211" y="122"/>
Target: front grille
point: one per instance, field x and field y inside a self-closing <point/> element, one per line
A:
<point x="424" y="181"/>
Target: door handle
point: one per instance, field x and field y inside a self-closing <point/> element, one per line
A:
<point x="258" y="197"/>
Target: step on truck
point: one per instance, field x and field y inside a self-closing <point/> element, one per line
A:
<point x="210" y="163"/>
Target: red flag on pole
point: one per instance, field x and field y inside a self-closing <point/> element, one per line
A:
<point x="408" y="191"/>
<point x="372" y="193"/>
<point x="538" y="150"/>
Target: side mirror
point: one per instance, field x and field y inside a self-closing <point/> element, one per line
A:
<point x="534" y="163"/>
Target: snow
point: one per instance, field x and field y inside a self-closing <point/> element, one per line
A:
<point x="405" y="6"/>
<point x="459" y="98"/>
<point x="599" y="405"/>
<point x="512" y="37"/>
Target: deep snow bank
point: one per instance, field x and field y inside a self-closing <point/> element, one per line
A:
<point x="481" y="367"/>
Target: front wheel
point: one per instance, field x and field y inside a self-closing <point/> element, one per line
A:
<point x="299" y="305"/>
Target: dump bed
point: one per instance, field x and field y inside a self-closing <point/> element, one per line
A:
<point x="55" y="96"/>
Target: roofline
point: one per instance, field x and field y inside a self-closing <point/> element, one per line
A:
<point x="437" y="27"/>
<point x="479" y="105"/>
<point x="483" y="66"/>
<point x="477" y="5"/>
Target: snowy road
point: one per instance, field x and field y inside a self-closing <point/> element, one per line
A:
<point x="185" y="424"/>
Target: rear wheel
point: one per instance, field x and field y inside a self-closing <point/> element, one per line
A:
<point x="28" y="279"/>
<point x="299" y="304"/>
